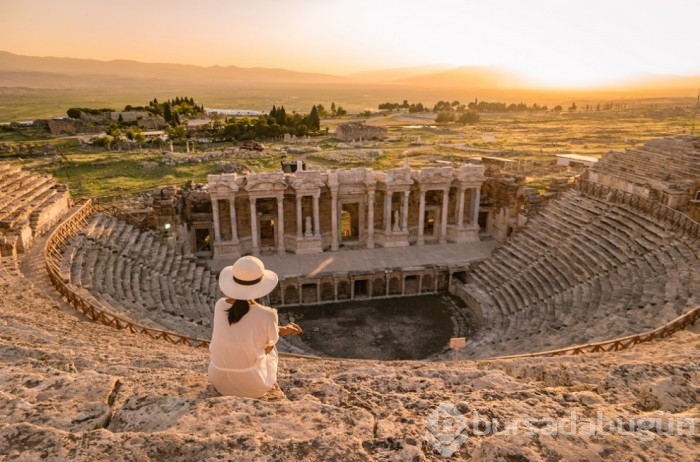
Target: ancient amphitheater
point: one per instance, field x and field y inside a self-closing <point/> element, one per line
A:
<point x="587" y="316"/>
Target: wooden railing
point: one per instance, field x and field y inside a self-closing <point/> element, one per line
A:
<point x="140" y="222"/>
<point x="56" y="245"/>
<point x="679" y="221"/>
<point x="623" y="343"/>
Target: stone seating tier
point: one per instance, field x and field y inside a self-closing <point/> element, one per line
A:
<point x="581" y="259"/>
<point x="664" y="160"/>
<point x="138" y="275"/>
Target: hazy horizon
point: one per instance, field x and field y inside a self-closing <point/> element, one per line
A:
<point x="547" y="42"/>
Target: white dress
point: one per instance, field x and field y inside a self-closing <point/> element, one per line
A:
<point x="239" y="365"/>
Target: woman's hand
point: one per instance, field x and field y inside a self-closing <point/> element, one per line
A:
<point x="290" y="328"/>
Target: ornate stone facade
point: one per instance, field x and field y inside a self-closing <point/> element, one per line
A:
<point x="313" y="211"/>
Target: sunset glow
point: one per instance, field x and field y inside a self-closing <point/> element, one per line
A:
<point x="552" y="42"/>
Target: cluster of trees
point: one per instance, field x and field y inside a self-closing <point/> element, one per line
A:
<point x="412" y="108"/>
<point x="115" y="136"/>
<point x="446" y="111"/>
<point x="605" y="107"/>
<point x="171" y="110"/>
<point x="277" y="123"/>
<point x="336" y="111"/>
<point x="279" y="116"/>
<point x="74" y="112"/>
<point x="455" y="112"/>
<point x="485" y="106"/>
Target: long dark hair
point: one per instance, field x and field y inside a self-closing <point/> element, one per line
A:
<point x="237" y="311"/>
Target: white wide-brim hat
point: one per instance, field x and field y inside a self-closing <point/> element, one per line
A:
<point x="247" y="279"/>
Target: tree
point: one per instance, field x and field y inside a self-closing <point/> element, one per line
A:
<point x="340" y="111"/>
<point x="176" y="133"/>
<point x="322" y="113"/>
<point x="333" y="109"/>
<point x="139" y="137"/>
<point x="469" y="116"/>
<point x="281" y="116"/>
<point x="314" y="122"/>
<point x="108" y="142"/>
<point x="445" y="117"/>
<point x="167" y="112"/>
<point x="74" y="112"/>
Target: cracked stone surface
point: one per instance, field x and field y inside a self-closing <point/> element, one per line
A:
<point x="74" y="390"/>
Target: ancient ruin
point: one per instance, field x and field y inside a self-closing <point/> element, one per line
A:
<point x="30" y="204"/>
<point x="601" y="267"/>
<point x="312" y="211"/>
<point x="358" y="131"/>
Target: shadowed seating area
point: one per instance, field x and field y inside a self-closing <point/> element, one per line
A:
<point x="583" y="270"/>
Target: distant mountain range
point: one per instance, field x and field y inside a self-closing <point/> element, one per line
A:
<point x="51" y="72"/>
<point x="17" y="70"/>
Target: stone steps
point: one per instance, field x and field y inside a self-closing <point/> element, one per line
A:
<point x="582" y="263"/>
<point x="134" y="270"/>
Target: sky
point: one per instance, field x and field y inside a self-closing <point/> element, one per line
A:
<point x="558" y="42"/>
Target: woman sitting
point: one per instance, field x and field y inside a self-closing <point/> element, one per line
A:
<point x="243" y="354"/>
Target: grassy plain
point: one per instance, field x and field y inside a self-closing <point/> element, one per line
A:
<point x="92" y="172"/>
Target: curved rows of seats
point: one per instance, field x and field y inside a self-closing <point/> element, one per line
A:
<point x="116" y="265"/>
<point x="29" y="205"/>
<point x="136" y="276"/>
<point x="663" y="159"/>
<point x="584" y="270"/>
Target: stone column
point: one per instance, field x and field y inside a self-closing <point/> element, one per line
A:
<point x="404" y="211"/>
<point x="474" y="212"/>
<point x="443" y="218"/>
<point x="234" y="224"/>
<point x="387" y="213"/>
<point x="299" y="226"/>
<point x="254" y="235"/>
<point x="460" y="208"/>
<point x="334" y="219"/>
<point x="280" y="225"/>
<point x="215" y="217"/>
<point x="317" y="219"/>
<point x="370" y="219"/>
<point x="421" y="218"/>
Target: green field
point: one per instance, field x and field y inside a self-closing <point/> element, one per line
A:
<point x="93" y="172"/>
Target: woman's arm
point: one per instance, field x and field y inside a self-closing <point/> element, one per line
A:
<point x="290" y="328"/>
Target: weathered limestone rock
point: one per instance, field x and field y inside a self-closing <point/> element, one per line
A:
<point x="75" y="390"/>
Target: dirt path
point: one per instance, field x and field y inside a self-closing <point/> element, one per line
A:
<point x="33" y="268"/>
